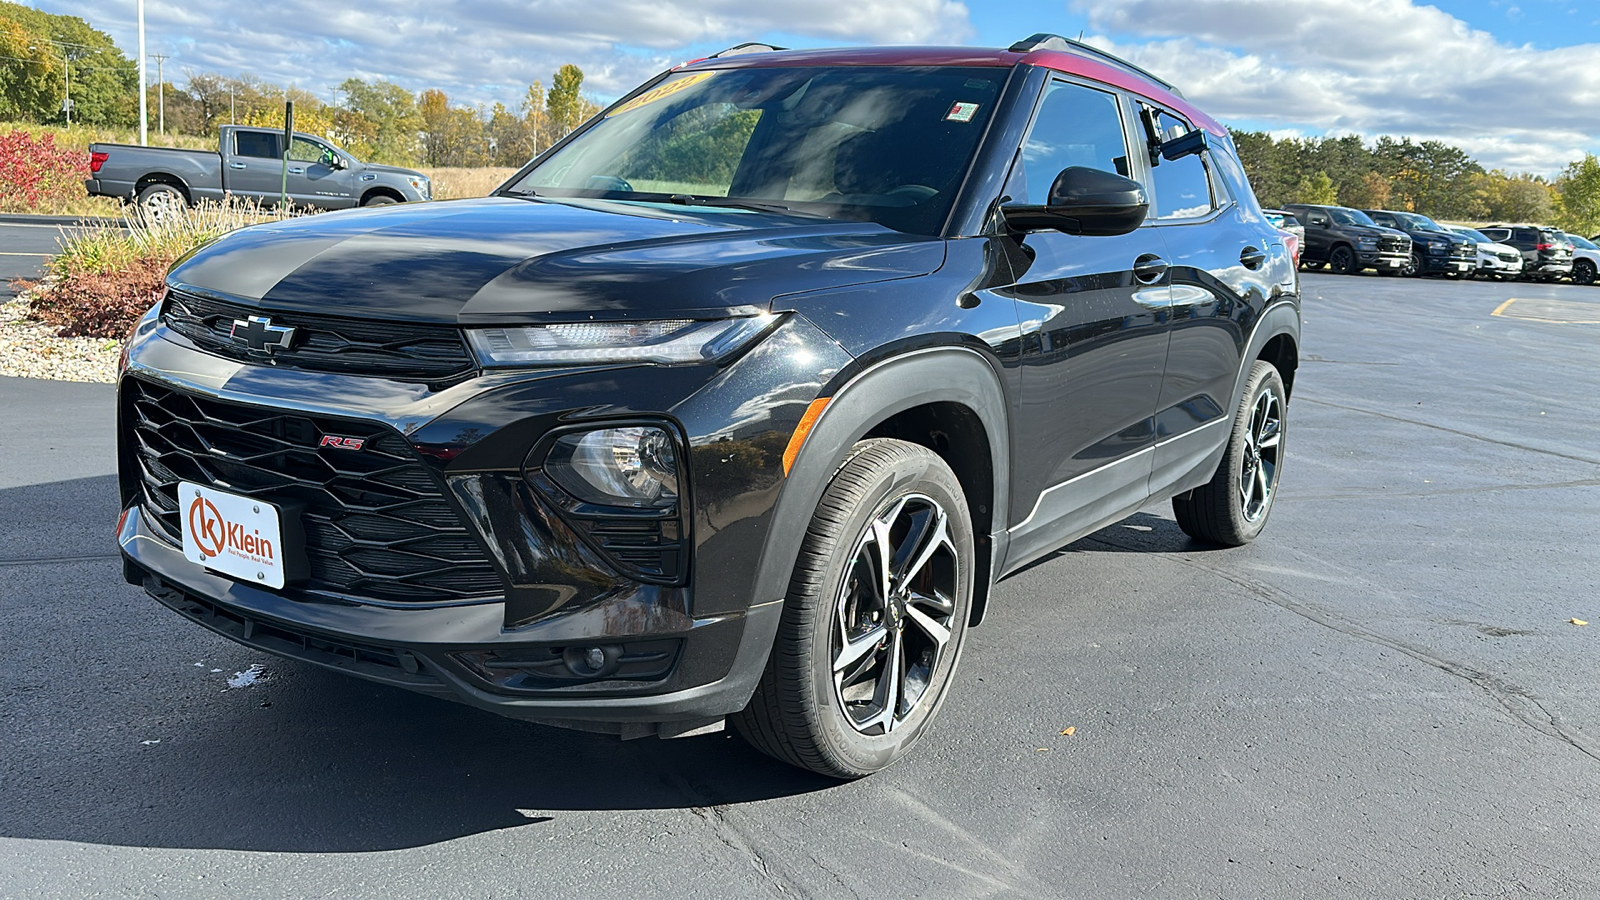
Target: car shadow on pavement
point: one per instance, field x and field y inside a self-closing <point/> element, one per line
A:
<point x="1141" y="532"/>
<point x="122" y="727"/>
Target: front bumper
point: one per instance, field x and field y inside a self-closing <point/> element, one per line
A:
<point x="704" y="633"/>
<point x="1447" y="265"/>
<point x="1382" y="260"/>
<point x="422" y="649"/>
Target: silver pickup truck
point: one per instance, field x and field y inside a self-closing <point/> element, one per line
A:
<point x="249" y="165"/>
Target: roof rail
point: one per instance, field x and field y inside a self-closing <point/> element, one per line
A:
<point x="746" y="47"/>
<point x="1046" y="41"/>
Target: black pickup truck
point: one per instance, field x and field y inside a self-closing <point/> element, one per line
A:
<point x="1347" y="241"/>
<point x="1434" y="249"/>
<point x="249" y="164"/>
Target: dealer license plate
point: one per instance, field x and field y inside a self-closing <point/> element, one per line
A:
<point x="234" y="535"/>
<point x="1397" y="263"/>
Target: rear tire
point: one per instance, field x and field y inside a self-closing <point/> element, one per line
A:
<point x="159" y="202"/>
<point x="1233" y="508"/>
<point x="850" y="651"/>
<point x="1583" y="272"/>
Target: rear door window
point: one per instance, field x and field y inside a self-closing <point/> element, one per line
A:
<point x="259" y="144"/>
<point x="1182" y="186"/>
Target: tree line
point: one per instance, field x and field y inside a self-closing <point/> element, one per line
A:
<point x="1428" y="177"/>
<point x="375" y="120"/>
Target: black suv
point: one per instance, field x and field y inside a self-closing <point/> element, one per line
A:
<point x="733" y="404"/>
<point x="1434" y="249"/>
<point x="1348" y="242"/>
<point x="1544" y="256"/>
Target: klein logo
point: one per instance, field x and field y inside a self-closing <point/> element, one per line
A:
<point x="213" y="534"/>
<point x="342" y="443"/>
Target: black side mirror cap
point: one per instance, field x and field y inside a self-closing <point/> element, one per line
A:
<point x="1185" y="145"/>
<point x="1084" y="201"/>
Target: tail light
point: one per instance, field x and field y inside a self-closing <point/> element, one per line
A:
<point x="1543" y="247"/>
<point x="97" y="159"/>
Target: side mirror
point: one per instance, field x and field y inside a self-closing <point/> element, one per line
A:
<point x="1185" y="145"/>
<point x="1084" y="201"/>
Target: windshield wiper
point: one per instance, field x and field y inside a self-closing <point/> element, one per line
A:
<point x="527" y="193"/>
<point x="736" y="203"/>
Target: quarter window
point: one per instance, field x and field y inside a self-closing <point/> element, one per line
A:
<point x="1076" y="126"/>
<point x="1182" y="187"/>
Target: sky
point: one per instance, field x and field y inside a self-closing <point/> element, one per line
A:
<point x="1516" y="83"/>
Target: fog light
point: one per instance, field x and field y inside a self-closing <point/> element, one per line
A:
<point x="631" y="467"/>
<point x="591" y="662"/>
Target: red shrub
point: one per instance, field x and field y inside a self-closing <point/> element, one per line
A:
<point x="102" y="305"/>
<point x="34" y="171"/>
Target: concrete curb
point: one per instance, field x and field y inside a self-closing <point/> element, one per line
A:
<point x="23" y="219"/>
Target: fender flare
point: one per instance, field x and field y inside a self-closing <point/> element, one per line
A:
<point x="161" y="176"/>
<point x="935" y="375"/>
<point x="1281" y="318"/>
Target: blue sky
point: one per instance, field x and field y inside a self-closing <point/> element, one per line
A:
<point x="1515" y="82"/>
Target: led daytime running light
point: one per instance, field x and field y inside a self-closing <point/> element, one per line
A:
<point x="662" y="342"/>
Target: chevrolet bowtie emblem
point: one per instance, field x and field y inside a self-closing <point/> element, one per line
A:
<point x="258" y="333"/>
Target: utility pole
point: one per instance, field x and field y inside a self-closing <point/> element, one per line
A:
<point x="66" y="69"/>
<point x="144" y="112"/>
<point x="161" y="90"/>
<point x="232" y="118"/>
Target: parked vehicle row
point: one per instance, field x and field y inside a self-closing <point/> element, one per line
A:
<point x="1393" y="242"/>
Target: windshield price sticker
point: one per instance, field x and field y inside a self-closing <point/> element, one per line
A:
<point x="961" y="112"/>
<point x="231" y="534"/>
<point x="661" y="92"/>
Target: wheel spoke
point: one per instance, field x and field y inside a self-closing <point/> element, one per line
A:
<point x="1247" y="489"/>
<point x="934" y="534"/>
<point x="939" y="633"/>
<point x="1261" y="481"/>
<point x="886" y="696"/>
<point x="1272" y="434"/>
<point x="942" y="605"/>
<point x="855" y="650"/>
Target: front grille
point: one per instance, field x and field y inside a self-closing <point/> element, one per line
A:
<point x="376" y="523"/>
<point x="1393" y="245"/>
<point x="1510" y="257"/>
<point x="403" y="350"/>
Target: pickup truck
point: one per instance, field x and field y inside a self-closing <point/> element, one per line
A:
<point x="248" y="164"/>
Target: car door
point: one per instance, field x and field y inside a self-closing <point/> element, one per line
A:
<point x="1221" y="255"/>
<point x="1318" y="230"/>
<point x="1094" y="314"/>
<point x="312" y="181"/>
<point x="255" y="167"/>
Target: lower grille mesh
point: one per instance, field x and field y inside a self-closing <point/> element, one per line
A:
<point x="376" y="523"/>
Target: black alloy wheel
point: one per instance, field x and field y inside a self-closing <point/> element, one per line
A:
<point x="1233" y="508"/>
<point x="1343" y="260"/>
<point x="1583" y="272"/>
<point x="874" y="619"/>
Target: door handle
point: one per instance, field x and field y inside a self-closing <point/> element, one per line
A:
<point x="297" y="171"/>
<point x="235" y="165"/>
<point x="1252" y="257"/>
<point x="1149" y="269"/>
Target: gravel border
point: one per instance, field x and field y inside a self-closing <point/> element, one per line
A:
<point x="30" y="349"/>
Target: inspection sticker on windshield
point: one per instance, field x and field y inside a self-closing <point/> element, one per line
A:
<point x="231" y="534"/>
<point x="661" y="92"/>
<point x="961" y="112"/>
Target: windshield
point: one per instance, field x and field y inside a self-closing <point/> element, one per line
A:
<point x="1415" y="222"/>
<point x="1581" y="243"/>
<point x="881" y="144"/>
<point x="1477" y="236"/>
<point x="1345" y="216"/>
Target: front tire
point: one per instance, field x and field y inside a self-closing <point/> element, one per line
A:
<point x="1583" y="272"/>
<point x="1233" y="508"/>
<point x="379" y="200"/>
<point x="1342" y="260"/>
<point x="1413" y="269"/>
<point x="874" y="619"/>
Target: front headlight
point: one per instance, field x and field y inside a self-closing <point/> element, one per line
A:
<point x="1438" y="248"/>
<point x="669" y="342"/>
<point x="1368" y="243"/>
<point x="423" y="186"/>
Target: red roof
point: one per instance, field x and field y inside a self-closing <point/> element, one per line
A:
<point x="1061" y="61"/>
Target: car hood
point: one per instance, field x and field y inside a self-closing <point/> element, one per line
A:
<point x="391" y="170"/>
<point x="501" y="259"/>
<point x="1376" y="231"/>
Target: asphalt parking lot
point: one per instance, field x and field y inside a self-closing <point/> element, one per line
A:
<point x="1382" y="697"/>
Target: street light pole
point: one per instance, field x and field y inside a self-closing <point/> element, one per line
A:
<point x="161" y="91"/>
<point x="144" y="112"/>
<point x="66" y="70"/>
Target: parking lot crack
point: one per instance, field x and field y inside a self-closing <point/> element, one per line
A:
<point x="1517" y="702"/>
<point x="1456" y="431"/>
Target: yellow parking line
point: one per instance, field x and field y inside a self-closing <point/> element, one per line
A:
<point x="1502" y="307"/>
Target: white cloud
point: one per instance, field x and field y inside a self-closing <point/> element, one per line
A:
<point x="1367" y="67"/>
<point x="486" y="50"/>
